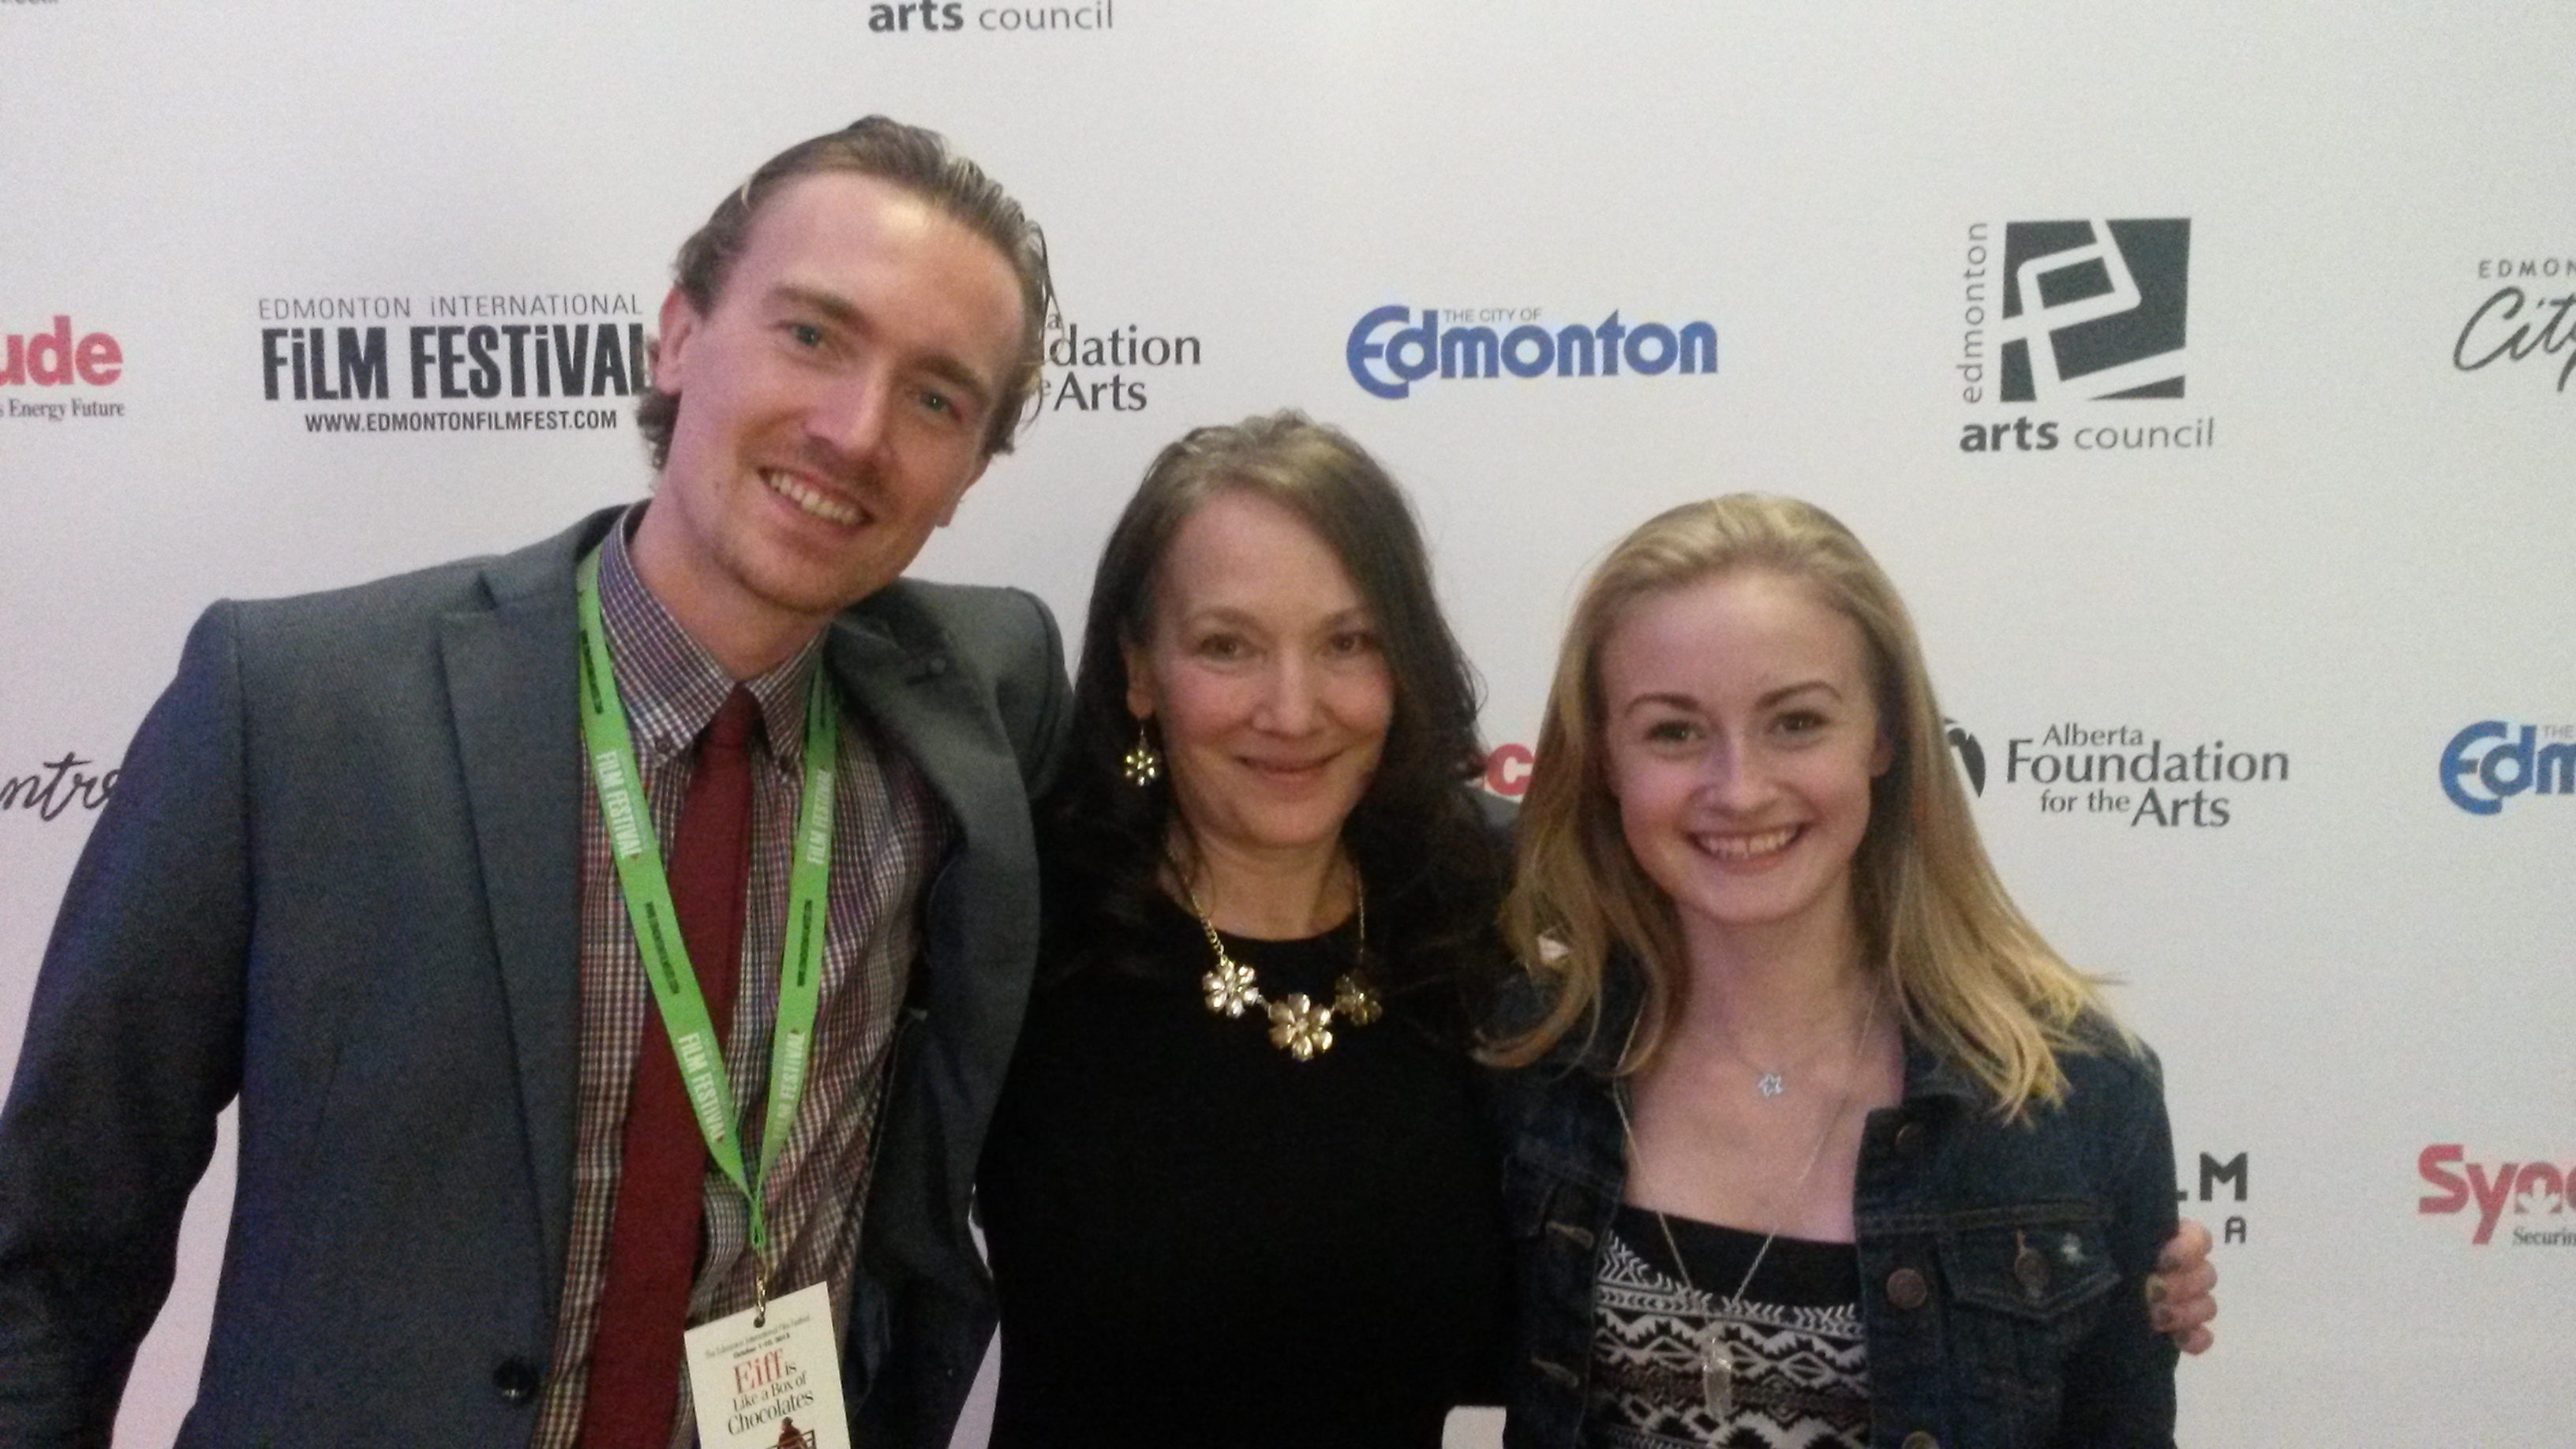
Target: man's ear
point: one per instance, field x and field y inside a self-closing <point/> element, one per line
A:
<point x="680" y="321"/>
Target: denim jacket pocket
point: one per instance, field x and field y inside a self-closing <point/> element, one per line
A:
<point x="2026" y="1286"/>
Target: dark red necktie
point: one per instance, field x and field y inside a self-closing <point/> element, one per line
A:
<point x="653" y="1235"/>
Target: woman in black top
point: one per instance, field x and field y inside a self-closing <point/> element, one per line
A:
<point x="1239" y="1190"/>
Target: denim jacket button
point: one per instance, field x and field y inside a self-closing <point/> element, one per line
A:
<point x="1909" y="1138"/>
<point x="1906" y="1288"/>
<point x="1920" y="1440"/>
<point x="2031" y="1270"/>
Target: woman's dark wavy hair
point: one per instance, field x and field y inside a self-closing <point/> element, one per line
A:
<point x="1433" y="868"/>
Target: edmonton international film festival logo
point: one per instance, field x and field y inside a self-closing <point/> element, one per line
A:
<point x="2060" y="314"/>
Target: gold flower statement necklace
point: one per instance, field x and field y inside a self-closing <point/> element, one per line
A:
<point x="1298" y="1026"/>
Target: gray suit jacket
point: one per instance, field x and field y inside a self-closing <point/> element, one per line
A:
<point x="339" y="879"/>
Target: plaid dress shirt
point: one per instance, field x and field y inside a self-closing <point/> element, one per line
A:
<point x="888" y="831"/>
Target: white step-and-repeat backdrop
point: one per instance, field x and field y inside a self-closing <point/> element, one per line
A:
<point x="2201" y="371"/>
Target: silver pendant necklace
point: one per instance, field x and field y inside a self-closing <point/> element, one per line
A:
<point x="1771" y="1082"/>
<point x="1714" y="1359"/>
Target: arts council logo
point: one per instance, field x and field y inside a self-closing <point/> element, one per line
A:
<point x="2056" y="316"/>
<point x="957" y="17"/>
<point x="2526" y="312"/>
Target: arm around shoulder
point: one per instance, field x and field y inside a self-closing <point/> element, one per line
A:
<point x="133" y="1046"/>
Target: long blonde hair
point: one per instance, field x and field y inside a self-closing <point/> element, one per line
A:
<point x="1969" y="974"/>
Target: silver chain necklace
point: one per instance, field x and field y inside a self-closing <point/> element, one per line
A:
<point x="1717" y="1363"/>
<point x="1771" y="1082"/>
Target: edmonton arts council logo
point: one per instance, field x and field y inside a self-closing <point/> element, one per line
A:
<point x="455" y="361"/>
<point x="2121" y="771"/>
<point x="2055" y="316"/>
<point x="2526" y="311"/>
<point x="950" y="17"/>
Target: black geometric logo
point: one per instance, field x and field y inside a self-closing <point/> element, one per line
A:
<point x="2094" y="309"/>
<point x="1972" y="756"/>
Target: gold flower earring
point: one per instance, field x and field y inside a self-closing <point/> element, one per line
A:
<point x="1143" y="763"/>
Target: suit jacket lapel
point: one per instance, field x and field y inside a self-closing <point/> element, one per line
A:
<point x="511" y="677"/>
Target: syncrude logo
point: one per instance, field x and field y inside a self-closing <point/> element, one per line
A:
<point x="2064" y="313"/>
<point x="2516" y="323"/>
<point x="1388" y="351"/>
<point x="511" y="347"/>
<point x="59" y="356"/>
<point x="2531" y="1189"/>
<point x="2491" y="760"/>
<point x="947" y="17"/>
<point x="2124" y="772"/>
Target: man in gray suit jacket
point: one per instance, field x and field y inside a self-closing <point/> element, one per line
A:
<point x="353" y="875"/>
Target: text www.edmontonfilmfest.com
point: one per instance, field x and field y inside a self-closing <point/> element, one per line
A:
<point x="472" y="420"/>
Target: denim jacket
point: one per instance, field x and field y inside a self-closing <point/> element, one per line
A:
<point x="2002" y="1266"/>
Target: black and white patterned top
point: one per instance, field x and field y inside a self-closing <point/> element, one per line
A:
<point x="1800" y="1379"/>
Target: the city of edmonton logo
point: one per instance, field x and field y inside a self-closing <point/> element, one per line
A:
<point x="2530" y="1189"/>
<point x="2121" y="771"/>
<point x="1393" y="348"/>
<point x="2491" y="761"/>
<point x="2532" y="315"/>
<point x="2062" y="314"/>
<point x="58" y="355"/>
<point x="540" y="360"/>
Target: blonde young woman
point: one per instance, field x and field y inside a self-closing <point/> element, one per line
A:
<point x="1818" y="1143"/>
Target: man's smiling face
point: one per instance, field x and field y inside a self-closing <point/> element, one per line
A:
<point x="834" y="403"/>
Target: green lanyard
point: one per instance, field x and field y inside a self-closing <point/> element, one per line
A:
<point x="647" y="889"/>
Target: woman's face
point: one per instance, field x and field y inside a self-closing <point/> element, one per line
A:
<point x="1741" y="736"/>
<point x="1264" y="675"/>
